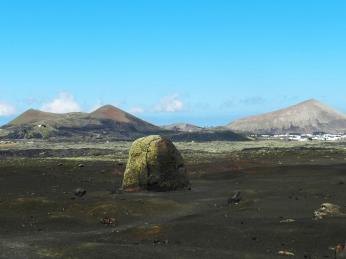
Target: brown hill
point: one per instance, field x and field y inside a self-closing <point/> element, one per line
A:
<point x="106" y="122"/>
<point x="306" y="117"/>
<point x="32" y="116"/>
<point x="112" y="113"/>
<point x="109" y="112"/>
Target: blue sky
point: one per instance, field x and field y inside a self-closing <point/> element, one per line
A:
<point x="204" y="62"/>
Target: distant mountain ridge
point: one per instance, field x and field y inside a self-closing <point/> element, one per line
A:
<point x="185" y="127"/>
<point x="305" y="117"/>
<point x="190" y="132"/>
<point x="106" y="112"/>
<point x="105" y="123"/>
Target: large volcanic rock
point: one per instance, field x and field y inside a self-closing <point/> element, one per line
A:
<point x="154" y="164"/>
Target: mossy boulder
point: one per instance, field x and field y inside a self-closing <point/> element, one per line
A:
<point x="154" y="164"/>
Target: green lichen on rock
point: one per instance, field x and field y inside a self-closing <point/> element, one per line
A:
<point x="154" y="164"/>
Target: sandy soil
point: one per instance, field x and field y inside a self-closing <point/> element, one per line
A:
<point x="41" y="217"/>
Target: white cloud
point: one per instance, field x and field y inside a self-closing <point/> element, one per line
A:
<point x="170" y="103"/>
<point x="136" y="110"/>
<point x="64" y="103"/>
<point x="6" y="109"/>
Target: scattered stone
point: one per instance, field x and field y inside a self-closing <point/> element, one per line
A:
<point x="235" y="199"/>
<point x="107" y="221"/>
<point x="60" y="164"/>
<point x="160" y="242"/>
<point x="80" y="192"/>
<point x="287" y="221"/>
<point x="81" y="165"/>
<point x="327" y="210"/>
<point x="285" y="253"/>
<point x="340" y="251"/>
<point x="154" y="164"/>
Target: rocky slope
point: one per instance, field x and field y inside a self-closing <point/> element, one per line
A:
<point x="306" y="117"/>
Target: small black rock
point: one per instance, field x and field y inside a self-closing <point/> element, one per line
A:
<point x="235" y="199"/>
<point x="80" y="192"/>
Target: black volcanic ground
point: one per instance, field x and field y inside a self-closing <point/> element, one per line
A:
<point x="41" y="217"/>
